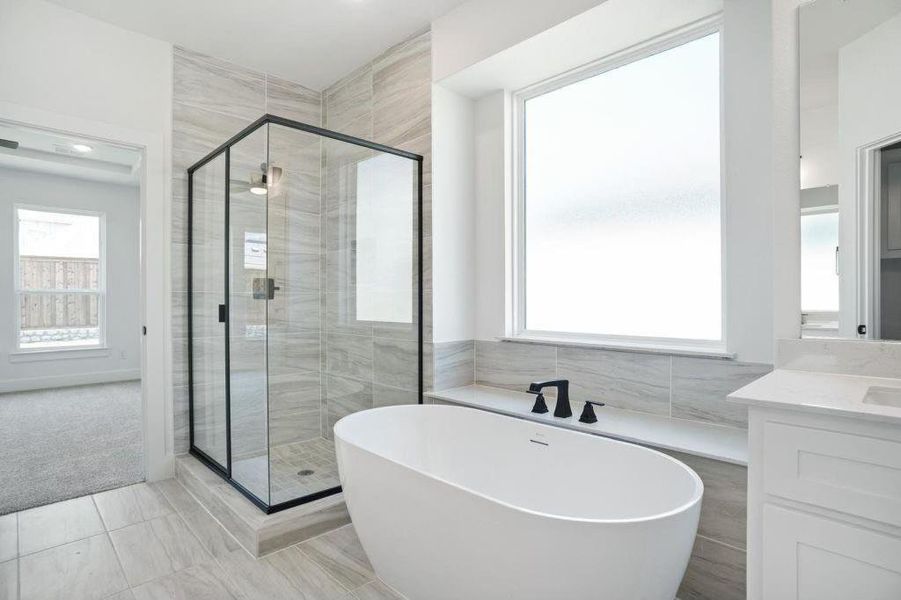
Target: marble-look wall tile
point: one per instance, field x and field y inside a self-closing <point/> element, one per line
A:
<point x="514" y="366"/>
<point x="849" y="357"/>
<point x="454" y="364"/>
<point x="346" y="396"/>
<point x="349" y="355"/>
<point x="401" y="91"/>
<point x="724" y="509"/>
<point x="384" y="395"/>
<point x="395" y="363"/>
<point x="700" y="387"/>
<point x="349" y="104"/>
<point x="627" y="380"/>
<point x="217" y="85"/>
<point x="715" y="572"/>
<point x="293" y="101"/>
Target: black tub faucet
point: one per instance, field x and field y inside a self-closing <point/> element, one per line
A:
<point x="563" y="409"/>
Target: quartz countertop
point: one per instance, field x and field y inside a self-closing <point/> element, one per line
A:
<point x="726" y="444"/>
<point x="824" y="393"/>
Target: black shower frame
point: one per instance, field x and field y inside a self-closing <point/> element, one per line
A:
<point x="225" y="149"/>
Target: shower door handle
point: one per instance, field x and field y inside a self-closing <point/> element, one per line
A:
<point x="222" y="313"/>
<point x="264" y="288"/>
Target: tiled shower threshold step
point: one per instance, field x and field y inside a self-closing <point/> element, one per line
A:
<point x="257" y="532"/>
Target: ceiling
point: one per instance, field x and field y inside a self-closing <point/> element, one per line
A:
<point x="312" y="42"/>
<point x="826" y="26"/>
<point x="41" y="151"/>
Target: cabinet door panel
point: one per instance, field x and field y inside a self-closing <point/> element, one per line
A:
<point x="807" y="557"/>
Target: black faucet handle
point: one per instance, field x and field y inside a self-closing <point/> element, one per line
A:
<point x="540" y="406"/>
<point x="588" y="415"/>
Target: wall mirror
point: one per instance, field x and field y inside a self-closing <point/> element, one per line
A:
<point x="850" y="69"/>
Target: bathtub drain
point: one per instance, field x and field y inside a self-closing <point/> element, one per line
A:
<point x="305" y="472"/>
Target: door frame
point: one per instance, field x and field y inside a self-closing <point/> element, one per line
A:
<point x="868" y="217"/>
<point x="155" y="235"/>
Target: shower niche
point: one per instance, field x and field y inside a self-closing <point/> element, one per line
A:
<point x="304" y="301"/>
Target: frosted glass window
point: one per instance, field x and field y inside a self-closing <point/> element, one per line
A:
<point x="819" y="279"/>
<point x="384" y="256"/>
<point x="622" y="200"/>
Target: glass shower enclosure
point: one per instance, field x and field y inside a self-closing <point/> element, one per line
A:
<point x="304" y="301"/>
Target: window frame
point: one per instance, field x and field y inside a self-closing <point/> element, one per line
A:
<point x="516" y="304"/>
<point x="101" y="291"/>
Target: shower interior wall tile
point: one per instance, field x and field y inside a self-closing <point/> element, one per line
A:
<point x="401" y="92"/>
<point x="388" y="101"/>
<point x="212" y="101"/>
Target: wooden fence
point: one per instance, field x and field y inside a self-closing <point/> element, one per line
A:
<point x="41" y="310"/>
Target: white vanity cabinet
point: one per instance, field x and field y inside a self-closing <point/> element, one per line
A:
<point x="824" y="497"/>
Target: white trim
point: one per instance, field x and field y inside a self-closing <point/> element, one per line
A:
<point x="100" y="292"/>
<point x="156" y="355"/>
<point x="63" y="353"/>
<point x="58" y="381"/>
<point x="869" y="246"/>
<point x="516" y="329"/>
<point x="638" y="347"/>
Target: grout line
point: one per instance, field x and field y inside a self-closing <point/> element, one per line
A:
<point x="670" y="387"/>
<point x="716" y="541"/>
<point x="112" y="545"/>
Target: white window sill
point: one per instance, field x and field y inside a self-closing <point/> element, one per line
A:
<point x="669" y="350"/>
<point x="58" y="354"/>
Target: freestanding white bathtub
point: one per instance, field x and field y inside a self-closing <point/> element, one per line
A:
<point x="453" y="503"/>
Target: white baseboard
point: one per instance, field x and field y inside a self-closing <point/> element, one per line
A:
<point x="58" y="381"/>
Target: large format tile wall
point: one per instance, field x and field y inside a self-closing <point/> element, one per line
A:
<point x="388" y="101"/>
<point x="212" y="101"/>
<point x="675" y="387"/>
<point x="323" y="363"/>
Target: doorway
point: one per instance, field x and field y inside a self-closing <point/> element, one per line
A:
<point x="71" y="408"/>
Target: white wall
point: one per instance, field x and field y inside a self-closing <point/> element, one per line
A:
<point x="64" y="62"/>
<point x="493" y="218"/>
<point x="121" y="205"/>
<point x="478" y="29"/>
<point x="453" y="252"/>
<point x="869" y="86"/>
<point x="69" y="72"/>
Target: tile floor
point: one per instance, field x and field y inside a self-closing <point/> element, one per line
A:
<point x="156" y="542"/>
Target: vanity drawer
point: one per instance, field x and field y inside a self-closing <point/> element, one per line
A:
<point x="855" y="474"/>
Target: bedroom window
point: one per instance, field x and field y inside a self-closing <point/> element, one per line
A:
<point x="59" y="265"/>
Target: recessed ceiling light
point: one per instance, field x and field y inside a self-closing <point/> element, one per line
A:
<point x="81" y="148"/>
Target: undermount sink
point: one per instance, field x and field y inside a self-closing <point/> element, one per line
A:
<point x="883" y="396"/>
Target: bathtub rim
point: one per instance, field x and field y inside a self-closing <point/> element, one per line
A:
<point x="681" y="508"/>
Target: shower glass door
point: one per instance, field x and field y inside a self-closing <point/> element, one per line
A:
<point x="249" y="289"/>
<point x="306" y="301"/>
<point x="207" y="343"/>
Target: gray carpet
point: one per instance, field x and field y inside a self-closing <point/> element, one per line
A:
<point x="67" y="442"/>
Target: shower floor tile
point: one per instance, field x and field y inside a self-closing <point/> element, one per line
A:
<point x="290" y="464"/>
<point x="294" y="470"/>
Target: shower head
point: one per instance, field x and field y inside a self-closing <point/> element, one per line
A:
<point x="269" y="176"/>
